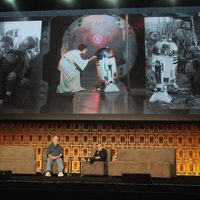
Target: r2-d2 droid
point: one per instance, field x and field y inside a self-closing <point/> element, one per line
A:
<point x="164" y="67"/>
<point x="106" y="70"/>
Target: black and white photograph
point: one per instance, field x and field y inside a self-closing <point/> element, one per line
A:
<point x="19" y="65"/>
<point x="172" y="51"/>
<point x="93" y="63"/>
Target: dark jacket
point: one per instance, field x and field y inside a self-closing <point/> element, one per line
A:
<point x="16" y="65"/>
<point x="102" y="154"/>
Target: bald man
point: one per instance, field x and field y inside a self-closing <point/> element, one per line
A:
<point x="54" y="154"/>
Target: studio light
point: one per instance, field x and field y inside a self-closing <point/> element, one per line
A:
<point x="112" y="2"/>
<point x="12" y="3"/>
<point x="174" y="2"/>
<point x="68" y="1"/>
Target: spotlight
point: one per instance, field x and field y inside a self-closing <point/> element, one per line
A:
<point x="13" y="3"/>
<point x="173" y="2"/>
<point x="68" y="1"/>
<point x="112" y="2"/>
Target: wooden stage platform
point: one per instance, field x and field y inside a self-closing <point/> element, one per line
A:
<point x="91" y="187"/>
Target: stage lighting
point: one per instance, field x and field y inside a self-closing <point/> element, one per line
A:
<point x="112" y="2"/>
<point x="173" y="2"/>
<point x="68" y="1"/>
<point x="10" y="1"/>
<point x="13" y="3"/>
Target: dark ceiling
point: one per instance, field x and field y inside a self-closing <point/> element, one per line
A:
<point x="34" y="5"/>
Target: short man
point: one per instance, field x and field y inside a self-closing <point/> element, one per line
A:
<point x="54" y="153"/>
<point x="100" y="154"/>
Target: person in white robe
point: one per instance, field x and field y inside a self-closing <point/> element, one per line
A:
<point x="70" y="65"/>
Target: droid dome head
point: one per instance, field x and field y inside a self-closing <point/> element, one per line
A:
<point x="165" y="47"/>
<point x="104" y="53"/>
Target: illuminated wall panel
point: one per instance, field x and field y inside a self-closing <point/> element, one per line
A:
<point x="79" y="138"/>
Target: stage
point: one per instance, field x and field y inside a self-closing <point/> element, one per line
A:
<point x="91" y="187"/>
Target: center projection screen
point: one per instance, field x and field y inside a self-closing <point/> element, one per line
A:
<point x="146" y="64"/>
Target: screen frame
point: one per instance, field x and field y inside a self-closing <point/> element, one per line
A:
<point x="150" y="11"/>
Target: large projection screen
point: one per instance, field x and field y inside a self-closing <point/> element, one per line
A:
<point x="145" y="66"/>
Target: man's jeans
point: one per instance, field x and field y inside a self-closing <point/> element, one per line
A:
<point x="59" y="162"/>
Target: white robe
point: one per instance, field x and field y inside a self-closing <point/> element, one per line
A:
<point x="69" y="75"/>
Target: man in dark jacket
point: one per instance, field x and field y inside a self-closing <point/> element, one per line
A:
<point x="100" y="154"/>
<point x="11" y="66"/>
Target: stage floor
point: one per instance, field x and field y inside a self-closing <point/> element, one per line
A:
<point x="25" y="186"/>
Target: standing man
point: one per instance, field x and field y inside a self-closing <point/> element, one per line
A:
<point x="158" y="71"/>
<point x="100" y="154"/>
<point x="54" y="154"/>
